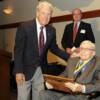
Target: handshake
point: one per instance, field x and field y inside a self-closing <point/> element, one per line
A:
<point x="74" y="52"/>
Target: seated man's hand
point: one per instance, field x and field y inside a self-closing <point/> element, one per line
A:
<point x="75" y="87"/>
<point x="80" y="88"/>
<point x="74" y="54"/>
<point x="48" y="85"/>
<point x="70" y="85"/>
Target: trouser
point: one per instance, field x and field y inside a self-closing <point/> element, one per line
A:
<point x="52" y="95"/>
<point x="36" y="84"/>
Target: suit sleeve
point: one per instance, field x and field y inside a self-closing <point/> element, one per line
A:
<point x="94" y="86"/>
<point x="19" y="50"/>
<point x="64" y="40"/>
<point x="90" y="35"/>
<point x="54" y="48"/>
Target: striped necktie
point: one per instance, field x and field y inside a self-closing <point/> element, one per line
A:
<point x="75" y="29"/>
<point x="41" y="40"/>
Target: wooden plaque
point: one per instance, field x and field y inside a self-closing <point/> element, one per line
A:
<point x="58" y="82"/>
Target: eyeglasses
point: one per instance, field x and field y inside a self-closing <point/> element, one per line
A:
<point x="87" y="49"/>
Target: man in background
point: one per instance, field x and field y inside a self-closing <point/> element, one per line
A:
<point x="76" y="32"/>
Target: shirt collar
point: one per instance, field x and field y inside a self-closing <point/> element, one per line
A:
<point x="78" y="23"/>
<point x="87" y="59"/>
<point x="38" y="24"/>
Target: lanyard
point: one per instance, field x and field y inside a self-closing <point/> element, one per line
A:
<point x="82" y="65"/>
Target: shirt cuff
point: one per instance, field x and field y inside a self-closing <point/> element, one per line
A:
<point x="83" y="89"/>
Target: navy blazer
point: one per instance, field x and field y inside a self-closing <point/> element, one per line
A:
<point x="27" y="57"/>
<point x="84" y="33"/>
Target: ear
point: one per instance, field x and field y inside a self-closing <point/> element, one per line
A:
<point x="81" y="15"/>
<point x="93" y="53"/>
<point x="37" y="14"/>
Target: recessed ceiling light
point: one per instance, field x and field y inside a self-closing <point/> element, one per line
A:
<point x="8" y="10"/>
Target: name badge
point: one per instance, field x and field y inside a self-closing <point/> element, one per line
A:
<point x="83" y="31"/>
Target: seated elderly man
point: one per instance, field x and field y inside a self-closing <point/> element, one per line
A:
<point x="85" y="69"/>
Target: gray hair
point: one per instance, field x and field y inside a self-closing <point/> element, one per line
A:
<point x="45" y="3"/>
<point x="88" y="44"/>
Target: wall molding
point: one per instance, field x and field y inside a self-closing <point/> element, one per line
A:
<point x="87" y="14"/>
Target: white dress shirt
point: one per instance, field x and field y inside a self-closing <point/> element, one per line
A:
<point x="38" y="31"/>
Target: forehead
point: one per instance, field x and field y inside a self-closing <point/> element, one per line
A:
<point x="76" y="11"/>
<point x="87" y="49"/>
<point x="86" y="45"/>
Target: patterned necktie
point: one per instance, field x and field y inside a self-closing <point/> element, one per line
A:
<point x="77" y="73"/>
<point x="75" y="29"/>
<point x="41" y="40"/>
<point x="79" y="64"/>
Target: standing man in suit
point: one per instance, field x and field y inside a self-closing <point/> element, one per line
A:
<point x="33" y="40"/>
<point x="76" y="32"/>
<point x="85" y="69"/>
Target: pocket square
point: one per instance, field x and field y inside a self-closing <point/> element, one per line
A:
<point x="83" y="31"/>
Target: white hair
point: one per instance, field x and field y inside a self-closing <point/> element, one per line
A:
<point x="46" y="4"/>
<point x="88" y="44"/>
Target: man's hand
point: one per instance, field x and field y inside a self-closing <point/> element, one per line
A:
<point x="68" y="50"/>
<point x="75" y="52"/>
<point x="20" y="78"/>
<point x="75" y="87"/>
<point x="48" y="85"/>
<point x="73" y="49"/>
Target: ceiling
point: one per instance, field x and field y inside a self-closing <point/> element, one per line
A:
<point x="70" y="4"/>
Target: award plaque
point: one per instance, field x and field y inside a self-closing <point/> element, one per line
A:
<point x="58" y="82"/>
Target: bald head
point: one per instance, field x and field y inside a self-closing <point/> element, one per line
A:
<point x="76" y="10"/>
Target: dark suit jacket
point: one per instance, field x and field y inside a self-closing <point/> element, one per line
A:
<point x="90" y="77"/>
<point x="84" y="33"/>
<point x="27" y="57"/>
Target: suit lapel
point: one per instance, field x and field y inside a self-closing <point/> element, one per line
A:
<point x="71" y="33"/>
<point x="89" y="68"/>
<point x="34" y="33"/>
<point x="79" y="27"/>
<point x="85" y="76"/>
<point x="72" y="65"/>
<point x="78" y="32"/>
<point x="48" y="35"/>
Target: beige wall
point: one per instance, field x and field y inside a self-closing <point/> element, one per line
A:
<point x="23" y="10"/>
